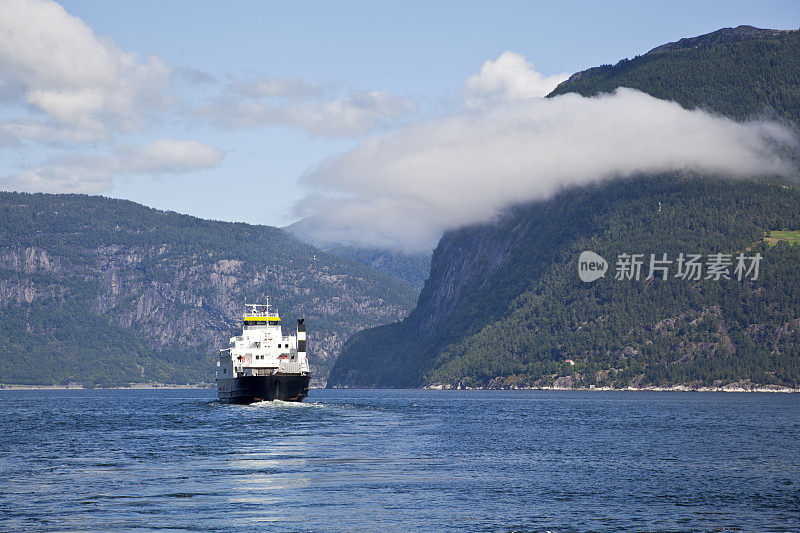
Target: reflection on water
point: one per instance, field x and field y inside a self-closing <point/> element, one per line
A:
<point x="399" y="460"/>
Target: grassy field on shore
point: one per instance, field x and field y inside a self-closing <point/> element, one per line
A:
<point x="774" y="237"/>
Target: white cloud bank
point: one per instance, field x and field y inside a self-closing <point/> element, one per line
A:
<point x="83" y="87"/>
<point x="404" y="188"/>
<point x="92" y="173"/>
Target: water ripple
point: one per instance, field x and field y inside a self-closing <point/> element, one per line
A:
<point x="398" y="461"/>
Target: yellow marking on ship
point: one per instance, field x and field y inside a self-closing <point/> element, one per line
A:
<point x="260" y="318"/>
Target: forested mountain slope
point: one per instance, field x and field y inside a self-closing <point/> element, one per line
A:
<point x="739" y="72"/>
<point x="106" y="291"/>
<point x="504" y="306"/>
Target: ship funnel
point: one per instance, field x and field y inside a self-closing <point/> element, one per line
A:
<point x="301" y="336"/>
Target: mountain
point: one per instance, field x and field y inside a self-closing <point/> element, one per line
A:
<point x="106" y="291"/>
<point x="739" y="72"/>
<point x="504" y="307"/>
<point x="411" y="268"/>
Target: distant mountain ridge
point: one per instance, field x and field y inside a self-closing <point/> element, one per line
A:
<point x="722" y="36"/>
<point x="411" y="268"/>
<point x="105" y="291"/>
<point x="504" y="308"/>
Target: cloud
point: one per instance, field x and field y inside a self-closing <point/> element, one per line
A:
<point x="65" y="87"/>
<point x="169" y="156"/>
<point x="318" y="109"/>
<point x="54" y="64"/>
<point x="46" y="132"/>
<point x="77" y="87"/>
<point x="404" y="188"/>
<point x="287" y="88"/>
<point x="508" y="78"/>
<point x="92" y="173"/>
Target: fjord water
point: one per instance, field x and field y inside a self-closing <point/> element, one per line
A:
<point x="350" y="460"/>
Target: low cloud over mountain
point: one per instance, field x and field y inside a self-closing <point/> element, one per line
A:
<point x="404" y="188"/>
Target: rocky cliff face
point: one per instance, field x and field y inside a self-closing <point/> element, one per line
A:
<point x="463" y="263"/>
<point x="471" y="270"/>
<point x="175" y="284"/>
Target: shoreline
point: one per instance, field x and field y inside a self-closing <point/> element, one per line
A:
<point x="132" y="386"/>
<point x="674" y="388"/>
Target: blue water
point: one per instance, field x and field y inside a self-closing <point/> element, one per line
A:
<point x="350" y="460"/>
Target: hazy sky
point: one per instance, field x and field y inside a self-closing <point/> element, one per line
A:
<point x="232" y="110"/>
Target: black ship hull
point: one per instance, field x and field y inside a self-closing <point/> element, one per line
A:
<point x="249" y="389"/>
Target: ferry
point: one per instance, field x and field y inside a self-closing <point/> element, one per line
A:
<point x="263" y="364"/>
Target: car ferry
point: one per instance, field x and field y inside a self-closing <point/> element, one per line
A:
<point x="263" y="364"/>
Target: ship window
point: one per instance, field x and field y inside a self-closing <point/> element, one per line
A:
<point x="224" y="370"/>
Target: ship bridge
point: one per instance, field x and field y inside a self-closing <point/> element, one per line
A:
<point x="260" y="315"/>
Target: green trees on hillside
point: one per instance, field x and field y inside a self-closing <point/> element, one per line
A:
<point x="521" y="323"/>
<point x="746" y="79"/>
<point x="106" y="291"/>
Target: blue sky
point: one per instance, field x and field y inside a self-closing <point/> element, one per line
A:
<point x="224" y="124"/>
